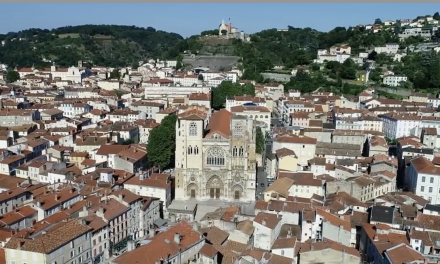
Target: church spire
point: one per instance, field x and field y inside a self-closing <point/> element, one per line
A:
<point x="223" y="21"/>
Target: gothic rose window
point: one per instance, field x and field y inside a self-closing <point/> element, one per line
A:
<point x="215" y="157"/>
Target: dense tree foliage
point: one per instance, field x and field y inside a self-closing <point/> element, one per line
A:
<point x="228" y="89"/>
<point x="209" y="32"/>
<point x="299" y="47"/>
<point x="270" y="47"/>
<point x="12" y="76"/>
<point x="162" y="143"/>
<point x="422" y="69"/>
<point x="108" y="45"/>
<point x="346" y="70"/>
<point x="260" y="141"/>
<point x="308" y="83"/>
<point x="115" y="74"/>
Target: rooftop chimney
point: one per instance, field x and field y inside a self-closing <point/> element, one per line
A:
<point x="100" y="211"/>
<point x="21" y="244"/>
<point x="263" y="222"/>
<point x="177" y="238"/>
<point x="289" y="233"/>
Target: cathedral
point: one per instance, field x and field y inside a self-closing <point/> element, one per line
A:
<point x="215" y="160"/>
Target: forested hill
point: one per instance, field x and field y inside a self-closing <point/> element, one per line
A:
<point x="298" y="46"/>
<point x="109" y="45"/>
<point x="113" y="45"/>
<point x="294" y="46"/>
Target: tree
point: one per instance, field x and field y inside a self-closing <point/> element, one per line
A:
<point x="339" y="81"/>
<point x="209" y="32"/>
<point x="436" y="16"/>
<point x="12" y="76"/>
<point x="116" y="46"/>
<point x="229" y="89"/>
<point x="115" y="74"/>
<point x="348" y="70"/>
<point x="372" y="55"/>
<point x="307" y="83"/>
<point x="119" y="93"/>
<point x="434" y="73"/>
<point x="315" y="67"/>
<point x="375" y="75"/>
<point x="260" y="141"/>
<point x="134" y="65"/>
<point x="161" y="144"/>
<point x="377" y="21"/>
<point x="179" y="65"/>
<point x="224" y="32"/>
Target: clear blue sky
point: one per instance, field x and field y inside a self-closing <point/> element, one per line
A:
<point x="189" y="19"/>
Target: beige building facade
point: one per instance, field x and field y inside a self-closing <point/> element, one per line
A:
<point x="215" y="160"/>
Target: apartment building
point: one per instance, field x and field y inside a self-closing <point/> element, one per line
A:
<point x="126" y="115"/>
<point x="117" y="217"/>
<point x="394" y="80"/>
<point x="258" y="113"/>
<point x="18" y="117"/>
<point x="72" y="109"/>
<point x="66" y="241"/>
<point x="399" y="125"/>
<point x="15" y="197"/>
<point x="304" y="147"/>
<point x="177" y="244"/>
<point x="423" y="178"/>
<point x="156" y="185"/>
<point x="52" y="201"/>
<point x="244" y="100"/>
<point x="148" y="107"/>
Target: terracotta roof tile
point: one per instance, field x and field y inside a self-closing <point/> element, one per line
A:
<point x="61" y="234"/>
<point x="162" y="245"/>
<point x="220" y="123"/>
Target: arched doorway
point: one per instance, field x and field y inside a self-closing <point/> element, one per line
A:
<point x="191" y="190"/>
<point x="237" y="192"/>
<point x="214" y="187"/>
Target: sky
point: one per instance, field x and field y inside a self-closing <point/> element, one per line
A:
<point x="189" y="19"/>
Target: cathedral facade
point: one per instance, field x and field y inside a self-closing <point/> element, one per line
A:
<point x="215" y="160"/>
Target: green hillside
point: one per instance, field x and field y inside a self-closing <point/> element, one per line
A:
<point x="109" y="45"/>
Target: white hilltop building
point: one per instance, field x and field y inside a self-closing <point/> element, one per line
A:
<point x="231" y="32"/>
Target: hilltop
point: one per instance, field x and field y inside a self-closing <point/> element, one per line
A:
<point x="110" y="45"/>
<point x="262" y="52"/>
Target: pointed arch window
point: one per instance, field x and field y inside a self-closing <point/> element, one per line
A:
<point x="234" y="152"/>
<point x="190" y="150"/>
<point x="241" y="152"/>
